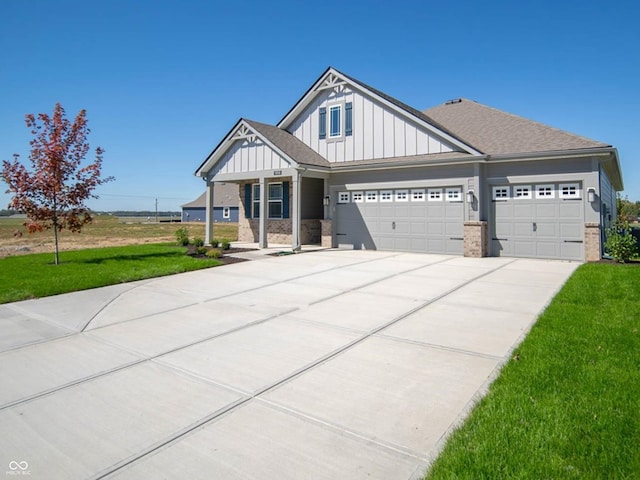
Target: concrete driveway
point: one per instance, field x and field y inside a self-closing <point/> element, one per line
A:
<point x="324" y="365"/>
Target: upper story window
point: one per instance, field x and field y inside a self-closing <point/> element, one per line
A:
<point x="335" y="115"/>
<point x="338" y="121"/>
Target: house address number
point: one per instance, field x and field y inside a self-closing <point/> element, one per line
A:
<point x="277" y="172"/>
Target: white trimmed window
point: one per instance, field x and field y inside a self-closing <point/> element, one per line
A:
<point x="357" y="197"/>
<point x="275" y="200"/>
<point x="500" y="193"/>
<point x="545" y="191"/>
<point x="402" y="195"/>
<point x="417" y="195"/>
<point x="371" y="196"/>
<point x="454" y="194"/>
<point x="569" y="190"/>
<point x="344" y="197"/>
<point x="226" y="212"/>
<point x="255" y="203"/>
<point x="386" y="195"/>
<point x="522" y="191"/>
<point x="435" y="195"/>
<point x="335" y="121"/>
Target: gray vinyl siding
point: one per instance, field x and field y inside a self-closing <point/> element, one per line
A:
<point x="378" y="131"/>
<point x="608" y="198"/>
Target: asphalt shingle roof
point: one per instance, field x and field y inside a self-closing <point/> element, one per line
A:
<point x="495" y="132"/>
<point x="289" y="144"/>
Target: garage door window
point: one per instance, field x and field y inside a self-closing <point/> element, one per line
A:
<point x="435" y="194"/>
<point x="522" y="191"/>
<point x="343" y="197"/>
<point x="417" y="195"/>
<point x="357" y="197"/>
<point x="372" y="196"/>
<point x="454" y="194"/>
<point x="545" y="191"/>
<point x="386" y="196"/>
<point x="402" y="195"/>
<point x="500" y="193"/>
<point x="569" y="190"/>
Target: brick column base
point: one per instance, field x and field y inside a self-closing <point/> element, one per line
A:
<point x="592" y="247"/>
<point x="476" y="239"/>
<point x="327" y="233"/>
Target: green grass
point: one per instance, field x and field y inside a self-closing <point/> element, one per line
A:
<point x="567" y="405"/>
<point x="33" y="276"/>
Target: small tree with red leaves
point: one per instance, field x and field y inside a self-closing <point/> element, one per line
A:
<point x="53" y="195"/>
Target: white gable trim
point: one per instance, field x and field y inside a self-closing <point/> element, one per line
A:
<point x="241" y="131"/>
<point x="332" y="78"/>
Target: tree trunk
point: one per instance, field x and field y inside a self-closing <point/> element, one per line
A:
<point x="55" y="237"/>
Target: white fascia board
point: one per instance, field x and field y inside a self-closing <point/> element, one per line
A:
<point x="229" y="140"/>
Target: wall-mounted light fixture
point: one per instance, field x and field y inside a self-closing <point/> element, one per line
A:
<point x="591" y="194"/>
<point x="470" y="196"/>
<point x="326" y="200"/>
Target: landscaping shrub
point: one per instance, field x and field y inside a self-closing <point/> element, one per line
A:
<point x="202" y="250"/>
<point x="621" y="244"/>
<point x="198" y="242"/>
<point x="182" y="236"/>
<point x="215" y="243"/>
<point x="225" y="245"/>
<point x="214" y="253"/>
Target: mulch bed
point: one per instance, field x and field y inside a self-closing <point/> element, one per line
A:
<point x="226" y="257"/>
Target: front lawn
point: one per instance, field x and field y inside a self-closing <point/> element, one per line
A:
<point x="32" y="276"/>
<point x="567" y="405"/>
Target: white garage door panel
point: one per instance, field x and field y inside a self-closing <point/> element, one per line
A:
<point x="550" y="227"/>
<point x="410" y="224"/>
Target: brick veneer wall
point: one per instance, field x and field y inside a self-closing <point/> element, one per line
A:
<point x="279" y="231"/>
<point x="476" y="239"/>
<point x="326" y="233"/>
<point x="592" y="247"/>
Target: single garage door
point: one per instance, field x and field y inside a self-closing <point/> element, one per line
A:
<point x="426" y="220"/>
<point x="538" y="221"/>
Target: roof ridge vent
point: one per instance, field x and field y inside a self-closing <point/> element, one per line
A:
<point x="451" y="102"/>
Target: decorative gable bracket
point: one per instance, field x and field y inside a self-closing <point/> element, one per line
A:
<point x="331" y="81"/>
<point x="244" y="133"/>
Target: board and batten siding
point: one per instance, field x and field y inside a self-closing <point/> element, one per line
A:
<point x="246" y="156"/>
<point x="378" y="131"/>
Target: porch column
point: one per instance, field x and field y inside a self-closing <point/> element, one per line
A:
<point x="295" y="211"/>
<point x="264" y="201"/>
<point x="208" y="234"/>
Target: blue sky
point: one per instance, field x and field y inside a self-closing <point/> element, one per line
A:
<point x="164" y="81"/>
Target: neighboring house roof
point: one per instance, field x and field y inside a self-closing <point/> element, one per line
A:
<point x="495" y="132"/>
<point x="224" y="195"/>
<point x="291" y="146"/>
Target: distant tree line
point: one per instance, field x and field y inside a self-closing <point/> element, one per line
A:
<point x="628" y="211"/>
<point x="7" y="213"/>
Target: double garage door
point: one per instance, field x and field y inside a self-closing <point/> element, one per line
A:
<point x="425" y="220"/>
<point x="538" y="221"/>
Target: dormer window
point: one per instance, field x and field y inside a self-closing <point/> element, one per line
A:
<point x="337" y="121"/>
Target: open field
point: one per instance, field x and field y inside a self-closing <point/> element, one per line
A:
<point x="568" y="403"/>
<point x="105" y="231"/>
